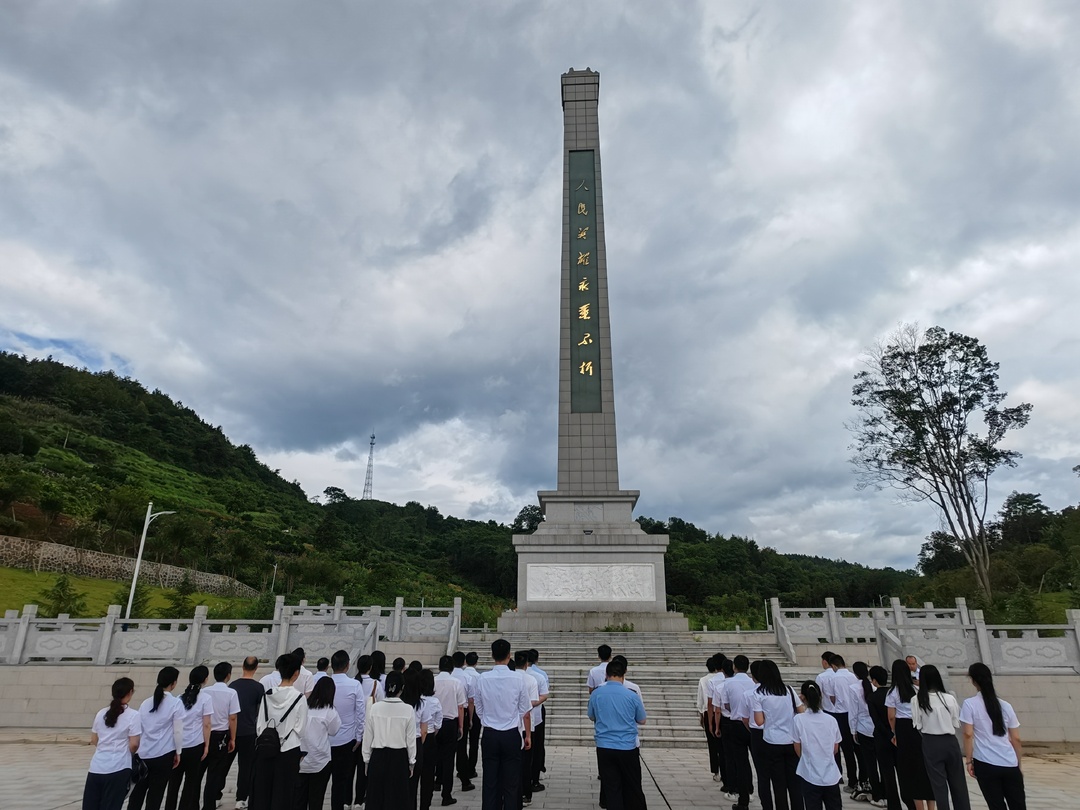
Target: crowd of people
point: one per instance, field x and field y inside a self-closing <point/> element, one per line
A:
<point x="890" y="735"/>
<point x="390" y="739"/>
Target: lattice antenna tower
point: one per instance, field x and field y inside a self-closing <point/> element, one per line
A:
<point x="370" y="470"/>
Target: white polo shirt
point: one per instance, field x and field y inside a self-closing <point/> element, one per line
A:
<point x="113" y="753"/>
<point x="779" y="714"/>
<point x="990" y="748"/>
<point x="817" y="733"/>
<point x="225" y="702"/>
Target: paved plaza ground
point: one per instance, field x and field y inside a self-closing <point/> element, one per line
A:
<point x="46" y="771"/>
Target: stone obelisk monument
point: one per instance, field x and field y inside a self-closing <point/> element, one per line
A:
<point x="589" y="565"/>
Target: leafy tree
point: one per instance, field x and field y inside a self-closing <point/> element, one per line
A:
<point x="62" y="598"/>
<point x="940" y="552"/>
<point x="528" y="520"/>
<point x="335" y="495"/>
<point x="140" y="604"/>
<point x="918" y="401"/>
<point x="17" y="481"/>
<point x="179" y="603"/>
<point x="1022" y="519"/>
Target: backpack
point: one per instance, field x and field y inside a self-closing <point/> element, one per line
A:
<point x="268" y="743"/>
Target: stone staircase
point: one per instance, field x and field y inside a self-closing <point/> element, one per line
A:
<point x="666" y="666"/>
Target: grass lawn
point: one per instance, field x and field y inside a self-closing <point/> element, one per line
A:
<point x="19" y="587"/>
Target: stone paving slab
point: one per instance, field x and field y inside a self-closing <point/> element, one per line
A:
<point x="46" y="771"/>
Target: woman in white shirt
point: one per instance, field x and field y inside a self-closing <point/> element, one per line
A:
<point x="936" y="714"/>
<point x="427" y="759"/>
<point x="197" y="709"/>
<point x="910" y="768"/>
<point x="773" y="708"/>
<point x="862" y="730"/>
<point x="390" y="748"/>
<point x="323" y="722"/>
<point x="992" y="744"/>
<point x="273" y="784"/>
<point x="160" y="741"/>
<point x="367" y="687"/>
<point x="817" y="739"/>
<point x="115" y="733"/>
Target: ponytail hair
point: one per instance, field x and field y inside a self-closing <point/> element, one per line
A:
<point x="121" y="688"/>
<point x="395" y="682"/>
<point x="981" y="677"/>
<point x="165" y="678"/>
<point x="196" y="679"/>
<point x="363" y="667"/>
<point x="862" y="672"/>
<point x="812" y="695"/>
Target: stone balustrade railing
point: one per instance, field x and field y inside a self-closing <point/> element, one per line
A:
<point x="947" y="637"/>
<point x="30" y="639"/>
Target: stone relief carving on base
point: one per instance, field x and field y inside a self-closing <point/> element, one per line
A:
<point x="588" y="512"/>
<point x="592" y="583"/>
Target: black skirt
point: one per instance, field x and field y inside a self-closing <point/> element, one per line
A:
<point x="388" y="780"/>
<point x="910" y="765"/>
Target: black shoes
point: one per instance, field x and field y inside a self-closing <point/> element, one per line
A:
<point x="467" y="786"/>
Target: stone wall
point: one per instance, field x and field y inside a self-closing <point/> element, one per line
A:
<point x="35" y="555"/>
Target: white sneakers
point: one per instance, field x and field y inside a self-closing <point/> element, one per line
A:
<point x="241" y="804"/>
<point x="717" y="778"/>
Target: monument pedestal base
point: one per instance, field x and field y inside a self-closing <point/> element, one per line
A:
<point x="591" y="622"/>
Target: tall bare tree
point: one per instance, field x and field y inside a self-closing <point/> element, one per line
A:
<point x="920" y="401"/>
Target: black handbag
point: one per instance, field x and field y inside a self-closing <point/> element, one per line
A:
<point x="139" y="771"/>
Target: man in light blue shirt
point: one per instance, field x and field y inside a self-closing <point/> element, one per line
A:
<point x="616" y="713"/>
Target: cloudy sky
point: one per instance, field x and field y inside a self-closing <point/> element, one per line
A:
<point x="315" y="221"/>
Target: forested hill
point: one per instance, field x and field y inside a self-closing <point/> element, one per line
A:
<point x="81" y="453"/>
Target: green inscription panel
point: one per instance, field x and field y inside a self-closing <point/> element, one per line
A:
<point x="584" y="295"/>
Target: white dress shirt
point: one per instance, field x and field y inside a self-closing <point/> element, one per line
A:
<point x="321" y="725"/>
<point x="822" y="680"/>
<point x="542" y="690"/>
<point x="597" y="675"/>
<point x="818" y="734"/>
<point x="351" y="706"/>
<point x="532" y="687"/>
<point x="733" y="689"/>
<point x="990" y="748"/>
<point x="713" y="695"/>
<point x="430" y="713"/>
<point x="390" y="724"/>
<point x="859" y="718"/>
<point x="943" y="717"/>
<point x="113" y="752"/>
<point x="451" y="694"/>
<point x="304" y="682"/>
<point x="226" y="702"/>
<point x="703" y="692"/>
<point x="903" y="710"/>
<point x="778" y="713"/>
<point x="839" y="696"/>
<point x="162" y="730"/>
<point x="501" y="698"/>
<point x="192" y="719"/>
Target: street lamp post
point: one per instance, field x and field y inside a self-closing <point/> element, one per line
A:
<point x="150" y="515"/>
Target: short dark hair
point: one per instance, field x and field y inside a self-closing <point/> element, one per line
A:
<point x="299" y="653"/>
<point x="603" y="652"/>
<point x="534" y="656"/>
<point x="500" y="649"/>
<point x="837" y="661"/>
<point x="459" y="659"/>
<point x="322" y="664"/>
<point x="339" y="661"/>
<point x="222" y="671"/>
<point x="446" y="664"/>
<point x="616" y="667"/>
<point x="827" y="657"/>
<point x="521" y="658"/>
<point x="742" y="663"/>
<point x="287" y="665"/>
<point x="398" y="665"/>
<point x="471" y="659"/>
<point x="251" y="663"/>
<point x="414" y="666"/>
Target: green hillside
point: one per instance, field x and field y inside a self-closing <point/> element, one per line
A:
<point x="82" y="453"/>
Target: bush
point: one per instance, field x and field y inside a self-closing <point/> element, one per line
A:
<point x="62" y="598"/>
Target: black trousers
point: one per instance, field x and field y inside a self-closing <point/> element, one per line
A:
<point x="541" y="761"/>
<point x="866" y="753"/>
<point x="189" y="776"/>
<point x="620" y="776"/>
<point x="245" y="756"/>
<point x="217" y="763"/>
<point x="274" y="784"/>
<point x="780" y="762"/>
<point x="448" y="740"/>
<point x="311" y="789"/>
<point x="343" y="771"/>
<point x="152" y="788"/>
<point x="737" y="738"/>
<point x="1002" y="787"/>
<point x="361" y="779"/>
<point x="847" y="748"/>
<point x="764" y="787"/>
<point x="886" y="758"/>
<point x="945" y="767"/>
<point x="537" y="752"/>
<point x="910" y="766"/>
<point x="475" y="728"/>
<point x="388" y="780"/>
<point x="105" y="791"/>
<point x="526" y="773"/>
<point x="501" y="755"/>
<point x="716" y="750"/>
<point x="427" y="766"/>
<point x="461" y="752"/>
<point x="816" y="797"/>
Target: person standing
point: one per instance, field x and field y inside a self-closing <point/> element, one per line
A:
<point x="540" y="740"/>
<point x="712" y="742"/>
<point x="430" y="719"/>
<point x="992" y="745"/>
<point x="461" y="753"/>
<point x="936" y="716"/>
<point x="305" y="681"/>
<point x="910" y="766"/>
<point x="250" y="693"/>
<point x="161" y="741"/>
<point x="736" y="732"/>
<point x="225" y="703"/>
<point x="532" y="686"/>
<point x="115" y="735"/>
<point x="367" y="686"/>
<point x="278" y="768"/>
<point x="598" y="674"/>
<point x="774" y="707"/>
<point x="321" y="666"/>
<point x="389" y="748"/>
<point x="451" y="695"/>
<point x="883" y="741"/>
<point x="617" y="713"/>
<point x="350" y="704"/>
<point x="714" y="706"/>
<point x="503" y="706"/>
<point x="837" y="699"/>
<point x="197" y="710"/>
<point x="862" y="729"/>
<point x="474" y="722"/>
<point x="322" y="723"/>
<point x="817" y="741"/>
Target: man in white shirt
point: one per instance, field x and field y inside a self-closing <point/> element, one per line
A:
<point x="226" y="706"/>
<point x="838" y="703"/>
<point x="461" y="752"/>
<point x="474" y="722"/>
<point x="532" y="686"/>
<point x="539" y="744"/>
<point x="712" y="742"/>
<point x="350" y="702"/>
<point x="598" y="674"/>
<point x="451" y="696"/>
<point x="544" y="691"/>
<point x="305" y="681"/>
<point x="737" y="732"/>
<point x="503" y="706"/>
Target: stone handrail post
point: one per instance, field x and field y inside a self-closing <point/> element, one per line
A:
<point x="834" y="622"/>
<point x="279" y="604"/>
<point x="107" y="633"/>
<point x="1072" y="618"/>
<point x="29" y="613"/>
<point x="897" y="609"/>
<point x="193" y="634"/>
<point x="399" y="605"/>
<point x="455" y="627"/>
<point x="781" y="631"/>
<point x="283" y="625"/>
<point x="339" y="603"/>
<point x="962" y="610"/>
<point x="982" y="638"/>
<point x="889" y="646"/>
